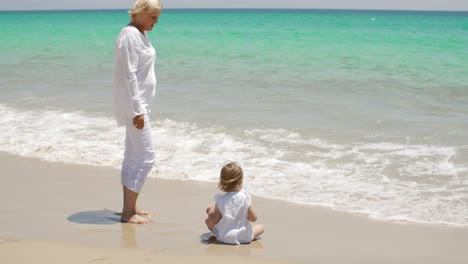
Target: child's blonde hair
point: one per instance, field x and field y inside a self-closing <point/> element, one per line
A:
<point x="231" y="177"/>
<point x="144" y="6"/>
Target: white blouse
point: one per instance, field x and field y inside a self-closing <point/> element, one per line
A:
<point x="134" y="79"/>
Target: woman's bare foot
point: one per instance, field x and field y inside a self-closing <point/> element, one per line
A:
<point x="135" y="219"/>
<point x="141" y="212"/>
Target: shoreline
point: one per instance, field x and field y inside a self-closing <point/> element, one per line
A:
<point x="54" y="205"/>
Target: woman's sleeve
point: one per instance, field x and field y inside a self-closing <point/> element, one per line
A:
<point x="129" y="54"/>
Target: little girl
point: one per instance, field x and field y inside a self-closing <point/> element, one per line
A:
<point x="230" y="218"/>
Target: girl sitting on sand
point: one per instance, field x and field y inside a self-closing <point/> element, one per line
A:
<point x="230" y="218"/>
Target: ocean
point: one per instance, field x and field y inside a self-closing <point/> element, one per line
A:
<point x="357" y="111"/>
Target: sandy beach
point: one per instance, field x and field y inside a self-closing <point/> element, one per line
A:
<point x="59" y="213"/>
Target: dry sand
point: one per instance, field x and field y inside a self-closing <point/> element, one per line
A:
<point x="58" y="213"/>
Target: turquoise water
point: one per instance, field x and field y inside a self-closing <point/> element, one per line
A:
<point x="361" y="111"/>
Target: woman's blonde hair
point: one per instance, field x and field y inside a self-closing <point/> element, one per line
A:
<point x="145" y="6"/>
<point x="231" y="177"/>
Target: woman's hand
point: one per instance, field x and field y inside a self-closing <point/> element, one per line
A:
<point x="139" y="122"/>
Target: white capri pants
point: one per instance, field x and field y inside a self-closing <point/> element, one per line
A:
<point x="139" y="155"/>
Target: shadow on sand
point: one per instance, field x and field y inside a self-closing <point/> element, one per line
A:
<point x="209" y="238"/>
<point x="99" y="217"/>
<point x="214" y="247"/>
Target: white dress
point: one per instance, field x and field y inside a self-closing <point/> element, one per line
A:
<point x="233" y="227"/>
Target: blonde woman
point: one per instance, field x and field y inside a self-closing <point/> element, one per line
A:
<point x="134" y="91"/>
<point x="230" y="218"/>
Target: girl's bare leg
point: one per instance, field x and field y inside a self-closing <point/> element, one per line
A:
<point x="209" y="224"/>
<point x="257" y="231"/>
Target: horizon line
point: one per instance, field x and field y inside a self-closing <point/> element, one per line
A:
<point x="240" y="8"/>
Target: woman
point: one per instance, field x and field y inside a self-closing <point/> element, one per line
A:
<point x="134" y="90"/>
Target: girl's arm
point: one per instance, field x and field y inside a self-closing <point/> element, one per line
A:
<point x="214" y="215"/>
<point x="251" y="215"/>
